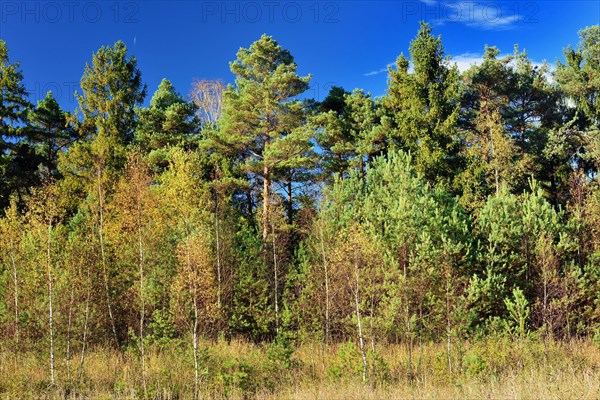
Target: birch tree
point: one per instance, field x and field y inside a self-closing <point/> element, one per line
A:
<point x="207" y="95"/>
<point x="11" y="234"/>
<point x="44" y="217"/>
<point x="111" y="88"/>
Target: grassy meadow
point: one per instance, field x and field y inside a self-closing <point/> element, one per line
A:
<point x="490" y="369"/>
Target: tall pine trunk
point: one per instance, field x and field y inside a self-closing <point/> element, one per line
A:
<point x="276" y="282"/>
<point x="266" y="198"/>
<point x="290" y="204"/>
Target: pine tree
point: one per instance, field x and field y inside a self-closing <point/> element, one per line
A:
<point x="494" y="124"/>
<point x="347" y="132"/>
<point x="261" y="121"/>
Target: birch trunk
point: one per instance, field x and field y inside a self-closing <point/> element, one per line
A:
<point x="103" y="257"/>
<point x="142" y="299"/>
<point x="218" y="244"/>
<point x="16" y="284"/>
<point x="85" y="328"/>
<point x="326" y="270"/>
<point x="69" y="322"/>
<point x="359" y="325"/>
<point x="50" y="295"/>
<point x="195" y="302"/>
<point x="448" y="326"/>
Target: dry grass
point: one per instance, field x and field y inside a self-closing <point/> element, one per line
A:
<point x="492" y="369"/>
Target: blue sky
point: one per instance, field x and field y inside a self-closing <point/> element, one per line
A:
<point x="344" y="43"/>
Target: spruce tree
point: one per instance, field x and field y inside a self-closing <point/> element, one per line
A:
<point x="168" y="121"/>
<point x="421" y="108"/>
<point x="16" y="166"/>
<point x="50" y="132"/>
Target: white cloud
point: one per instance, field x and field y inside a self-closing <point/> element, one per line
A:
<point x="484" y="15"/>
<point x="380" y="70"/>
<point x="494" y="22"/>
<point x="376" y="72"/>
<point x="465" y="61"/>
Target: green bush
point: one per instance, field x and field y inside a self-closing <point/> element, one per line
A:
<point x="347" y="363"/>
